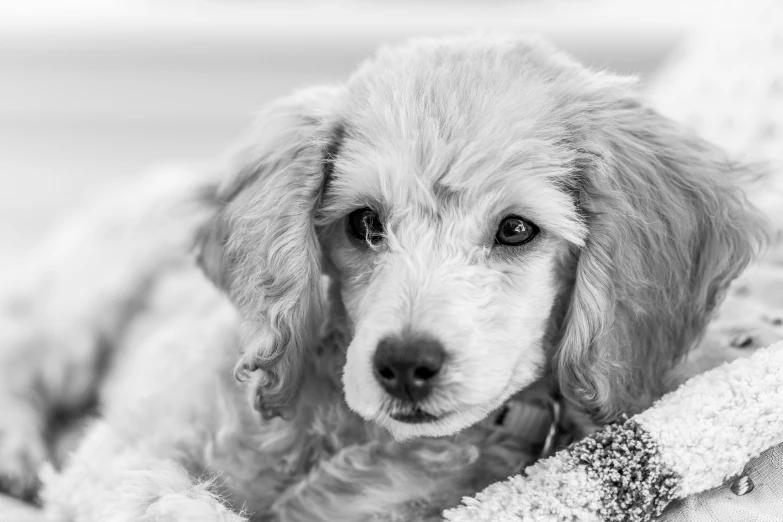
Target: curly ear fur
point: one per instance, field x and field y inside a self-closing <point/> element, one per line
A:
<point x="669" y="229"/>
<point x="261" y="246"/>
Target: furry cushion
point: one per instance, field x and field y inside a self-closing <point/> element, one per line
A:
<point x="629" y="472"/>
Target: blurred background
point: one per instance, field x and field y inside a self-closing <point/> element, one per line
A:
<point x="94" y="93"/>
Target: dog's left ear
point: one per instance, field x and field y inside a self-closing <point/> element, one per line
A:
<point x="669" y="229"/>
<point x="261" y="246"/>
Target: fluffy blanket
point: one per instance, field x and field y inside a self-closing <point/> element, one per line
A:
<point x="688" y="442"/>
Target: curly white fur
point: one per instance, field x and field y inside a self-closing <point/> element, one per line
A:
<point x="643" y="226"/>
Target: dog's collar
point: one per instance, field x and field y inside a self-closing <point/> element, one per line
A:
<point x="550" y="443"/>
<point x="534" y="419"/>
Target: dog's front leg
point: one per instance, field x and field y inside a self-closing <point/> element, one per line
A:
<point x="385" y="481"/>
<point x="111" y="480"/>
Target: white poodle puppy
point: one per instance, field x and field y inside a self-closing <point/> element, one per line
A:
<point x="402" y="254"/>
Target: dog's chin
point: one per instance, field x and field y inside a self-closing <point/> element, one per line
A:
<point x="410" y="423"/>
<point x="421" y="424"/>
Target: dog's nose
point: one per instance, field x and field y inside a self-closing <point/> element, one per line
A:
<point x="406" y="367"/>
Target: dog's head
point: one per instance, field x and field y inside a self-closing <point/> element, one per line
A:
<point x="489" y="211"/>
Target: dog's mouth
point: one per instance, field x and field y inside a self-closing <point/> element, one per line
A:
<point x="417" y="416"/>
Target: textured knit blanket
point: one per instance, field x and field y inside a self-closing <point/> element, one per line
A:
<point x="690" y="441"/>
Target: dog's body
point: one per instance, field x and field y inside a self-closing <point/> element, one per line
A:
<point x="634" y="229"/>
<point x="155" y="342"/>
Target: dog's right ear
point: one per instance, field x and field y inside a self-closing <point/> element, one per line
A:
<point x="260" y="247"/>
<point x="284" y="132"/>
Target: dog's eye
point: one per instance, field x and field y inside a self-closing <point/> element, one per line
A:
<point x="365" y="225"/>
<point x="515" y="231"/>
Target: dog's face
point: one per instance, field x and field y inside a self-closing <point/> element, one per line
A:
<point x="445" y="235"/>
<point x="486" y="209"/>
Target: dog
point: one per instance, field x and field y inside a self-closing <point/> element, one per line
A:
<point x="392" y="259"/>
